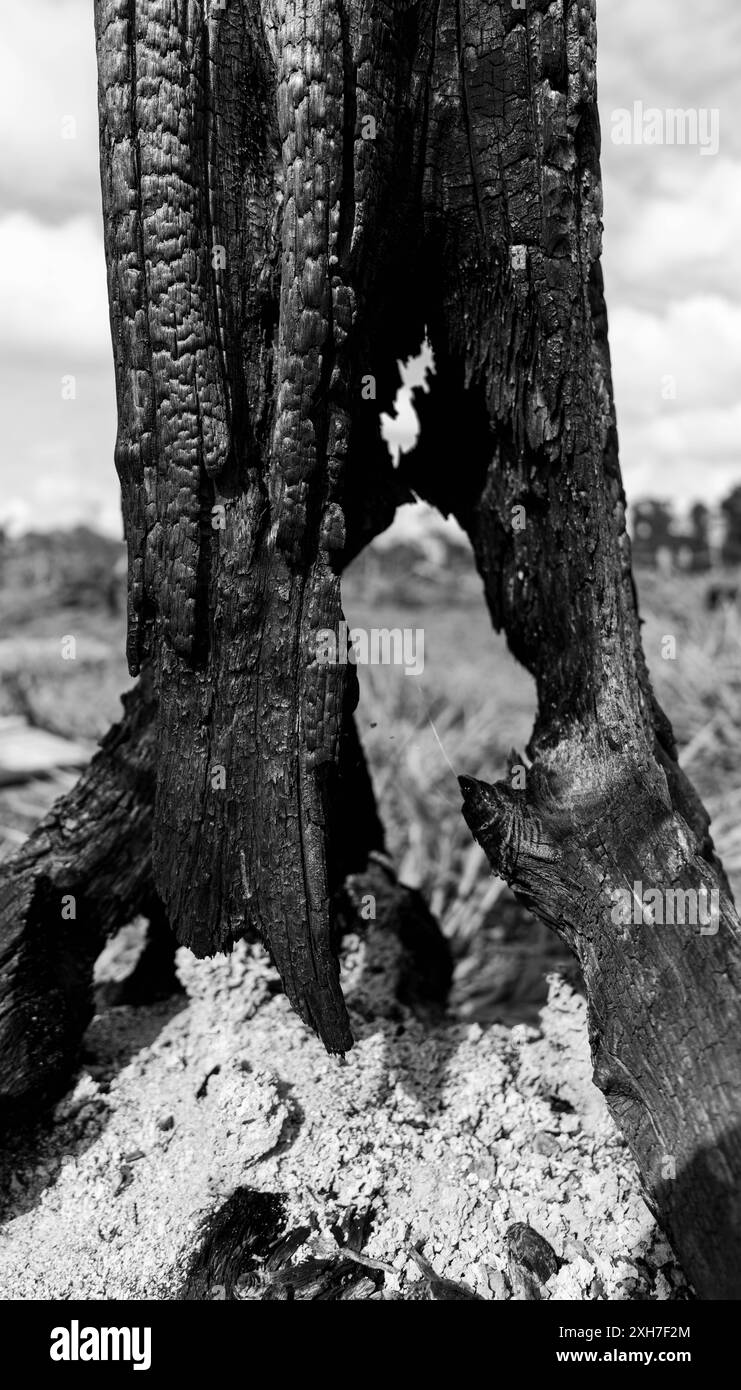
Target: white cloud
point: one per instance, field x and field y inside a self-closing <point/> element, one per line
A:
<point x="683" y="456"/>
<point x="47" y="73"/>
<point x="54" y="502"/>
<point x="677" y="236"/>
<point x="56" y="460"/>
<point x="676" y="388"/>
<point x="671" y="56"/>
<point x="57" y="500"/>
<point x="672" y="219"/>
<point x="417" y="523"/>
<point x="53" y="289"/>
<point x="697" y="342"/>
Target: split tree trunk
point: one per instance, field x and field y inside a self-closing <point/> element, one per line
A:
<point x="242" y="253"/>
<point x="292" y="191"/>
<point x="86" y="871"/>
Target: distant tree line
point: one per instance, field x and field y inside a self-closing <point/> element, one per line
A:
<point x="61" y="569"/>
<point x="704" y="539"/>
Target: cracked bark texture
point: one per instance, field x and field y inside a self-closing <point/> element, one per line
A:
<point x="266" y="254"/>
<point x="86" y="871"/>
<point x="83" y="873"/>
<point x="512" y="209"/>
<point x="238" y="238"/>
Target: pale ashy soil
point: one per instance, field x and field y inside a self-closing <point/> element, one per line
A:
<point x="450" y="1132"/>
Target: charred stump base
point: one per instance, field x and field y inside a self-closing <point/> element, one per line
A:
<point x="584" y="846"/>
<point x="83" y="873"/>
<point x="87" y="871"/>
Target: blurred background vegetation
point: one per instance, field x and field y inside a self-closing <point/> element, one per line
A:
<point x="463" y="714"/>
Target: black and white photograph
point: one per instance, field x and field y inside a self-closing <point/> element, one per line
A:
<point x="370" y="670"/>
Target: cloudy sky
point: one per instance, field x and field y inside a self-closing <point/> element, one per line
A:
<point x="672" y="229"/>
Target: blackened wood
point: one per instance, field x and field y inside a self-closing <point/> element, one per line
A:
<point x="85" y="871"/>
<point x="246" y="228"/>
<point x="520" y="337"/>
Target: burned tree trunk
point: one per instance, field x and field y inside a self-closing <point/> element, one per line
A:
<point x="85" y="871"/>
<point x="242" y="245"/>
<point x="293" y="190"/>
<point x="600" y="804"/>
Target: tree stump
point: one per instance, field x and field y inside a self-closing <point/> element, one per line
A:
<point x="293" y="192"/>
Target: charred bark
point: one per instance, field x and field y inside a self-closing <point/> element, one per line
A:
<point x="238" y="266"/>
<point x="87" y="871"/>
<point x="84" y="872"/>
<point x="599" y="803"/>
